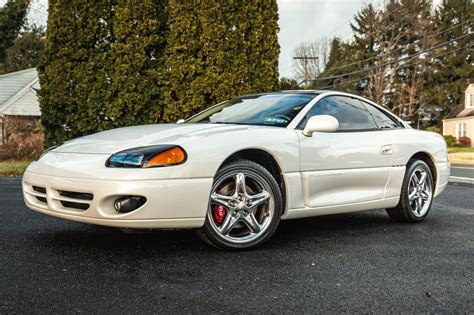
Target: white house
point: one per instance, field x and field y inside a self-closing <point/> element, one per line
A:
<point x="460" y="122"/>
<point x="18" y="97"/>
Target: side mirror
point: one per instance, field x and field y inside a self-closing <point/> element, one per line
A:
<point x="321" y="123"/>
<point x="180" y="121"/>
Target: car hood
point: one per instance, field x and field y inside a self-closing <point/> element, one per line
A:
<point x="112" y="141"/>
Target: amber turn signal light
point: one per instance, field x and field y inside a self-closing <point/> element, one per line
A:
<point x="172" y="156"/>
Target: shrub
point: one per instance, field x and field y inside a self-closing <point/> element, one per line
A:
<point x="464" y="141"/>
<point x="24" y="138"/>
<point x="450" y="140"/>
<point x="434" y="129"/>
<point x="121" y="63"/>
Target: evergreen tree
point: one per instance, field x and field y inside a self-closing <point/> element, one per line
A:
<point x="26" y="50"/>
<point x="102" y="66"/>
<point x="409" y="29"/>
<point x="137" y="77"/>
<point x="75" y="71"/>
<point x="341" y="54"/>
<point x="263" y="50"/>
<point x="217" y="51"/>
<point x="12" y="19"/>
<point x="452" y="72"/>
<point x="109" y="64"/>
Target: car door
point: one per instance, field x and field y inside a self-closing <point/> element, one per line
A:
<point x="351" y="165"/>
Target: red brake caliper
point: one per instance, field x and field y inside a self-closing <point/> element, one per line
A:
<point x="219" y="213"/>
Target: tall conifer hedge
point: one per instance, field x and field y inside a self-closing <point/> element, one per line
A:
<point x="118" y="63"/>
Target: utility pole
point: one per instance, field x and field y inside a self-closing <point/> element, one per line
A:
<point x="305" y="59"/>
<point x="421" y="110"/>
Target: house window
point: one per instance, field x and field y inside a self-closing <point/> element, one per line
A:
<point x="461" y="130"/>
<point x="471" y="101"/>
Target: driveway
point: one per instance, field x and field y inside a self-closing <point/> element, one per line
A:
<point x="360" y="262"/>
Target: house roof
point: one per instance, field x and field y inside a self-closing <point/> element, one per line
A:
<point x="18" y="93"/>
<point x="461" y="112"/>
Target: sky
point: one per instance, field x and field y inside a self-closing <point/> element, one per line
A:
<point x="299" y="21"/>
<point x="311" y="20"/>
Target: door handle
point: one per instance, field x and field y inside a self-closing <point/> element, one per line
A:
<point x="386" y="149"/>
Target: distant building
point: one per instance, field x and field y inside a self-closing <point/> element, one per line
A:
<point x="460" y="122"/>
<point x="18" y="101"/>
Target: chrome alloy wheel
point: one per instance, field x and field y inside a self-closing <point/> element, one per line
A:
<point x="241" y="207"/>
<point x="420" y="192"/>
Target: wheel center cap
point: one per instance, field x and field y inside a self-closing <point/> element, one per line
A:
<point x="241" y="205"/>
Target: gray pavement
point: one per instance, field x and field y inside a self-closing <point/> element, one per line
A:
<point x="358" y="263"/>
<point x="462" y="170"/>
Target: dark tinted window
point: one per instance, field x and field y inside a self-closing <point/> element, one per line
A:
<point x="277" y="109"/>
<point x="350" y="113"/>
<point x="382" y="120"/>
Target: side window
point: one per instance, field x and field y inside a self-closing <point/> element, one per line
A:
<point x="350" y="113"/>
<point x="382" y="120"/>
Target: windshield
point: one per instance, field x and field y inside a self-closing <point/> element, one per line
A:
<point x="277" y="109"/>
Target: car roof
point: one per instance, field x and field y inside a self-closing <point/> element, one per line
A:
<point x="306" y="92"/>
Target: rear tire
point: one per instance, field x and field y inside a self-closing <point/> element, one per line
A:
<point x="245" y="207"/>
<point x="416" y="195"/>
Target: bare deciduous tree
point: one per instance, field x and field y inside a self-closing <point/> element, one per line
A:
<point x="306" y="69"/>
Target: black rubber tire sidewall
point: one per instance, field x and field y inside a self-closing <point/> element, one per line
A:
<point x="402" y="212"/>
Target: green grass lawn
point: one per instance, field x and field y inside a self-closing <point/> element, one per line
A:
<point x="13" y="168"/>
<point x="459" y="150"/>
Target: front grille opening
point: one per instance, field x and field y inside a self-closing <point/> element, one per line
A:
<point x="75" y="205"/>
<point x="76" y="195"/>
<point x="42" y="199"/>
<point x="39" y="189"/>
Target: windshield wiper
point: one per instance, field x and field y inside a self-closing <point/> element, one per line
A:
<point x="234" y="123"/>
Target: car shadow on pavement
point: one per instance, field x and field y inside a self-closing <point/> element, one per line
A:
<point x="70" y="235"/>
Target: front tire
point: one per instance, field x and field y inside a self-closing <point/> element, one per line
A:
<point x="245" y="207"/>
<point x="416" y="195"/>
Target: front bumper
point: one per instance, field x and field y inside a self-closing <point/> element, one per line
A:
<point x="171" y="203"/>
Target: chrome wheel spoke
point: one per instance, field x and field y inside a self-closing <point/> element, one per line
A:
<point x="228" y="224"/>
<point x="415" y="180"/>
<point x="252" y="223"/>
<point x="223" y="200"/>
<point x="425" y="195"/>
<point x="412" y="195"/>
<point x="240" y="184"/>
<point x="422" y="180"/>
<point x="417" y="205"/>
<point x="258" y="199"/>
<point x="420" y="191"/>
<point x="249" y="204"/>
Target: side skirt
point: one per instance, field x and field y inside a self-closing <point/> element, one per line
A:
<point x="345" y="208"/>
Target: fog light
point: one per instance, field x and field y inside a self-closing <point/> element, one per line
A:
<point x="129" y="203"/>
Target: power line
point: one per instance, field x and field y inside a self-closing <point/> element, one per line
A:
<point x="395" y="61"/>
<point x="399" y="48"/>
<point x="452" y="27"/>
<point x="344" y="83"/>
<point x="305" y="59"/>
<point x="402" y="67"/>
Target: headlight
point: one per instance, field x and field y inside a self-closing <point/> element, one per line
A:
<point x="146" y="157"/>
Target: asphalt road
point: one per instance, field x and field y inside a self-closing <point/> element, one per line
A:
<point x="462" y="170"/>
<point x="360" y="262"/>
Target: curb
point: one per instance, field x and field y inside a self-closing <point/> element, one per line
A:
<point x="465" y="181"/>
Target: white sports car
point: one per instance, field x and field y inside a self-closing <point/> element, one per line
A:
<point x="236" y="169"/>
